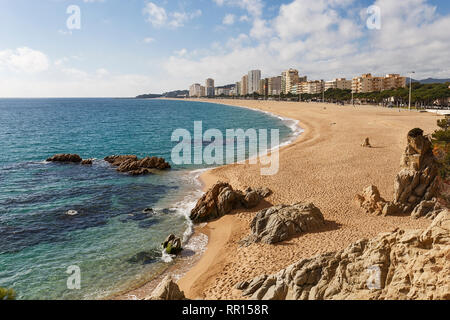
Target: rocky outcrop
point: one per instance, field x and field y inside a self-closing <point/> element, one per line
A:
<point x="133" y="165"/>
<point x="418" y="179"/>
<point x="167" y="290"/>
<point x="281" y="222"/>
<point x="366" y="143"/>
<point x="416" y="185"/>
<point x="87" y="162"/>
<point x="372" y="202"/>
<point x="221" y="199"/>
<point x="398" y="265"/>
<point x="67" y="158"/>
<point x="172" y="245"/>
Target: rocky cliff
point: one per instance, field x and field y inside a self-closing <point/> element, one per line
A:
<point x="397" y="265"/>
<point x="416" y="186"/>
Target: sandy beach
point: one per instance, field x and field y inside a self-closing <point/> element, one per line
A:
<point x="326" y="166"/>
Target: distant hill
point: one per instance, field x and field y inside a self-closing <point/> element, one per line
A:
<point x="149" y="96"/>
<point x="171" y="94"/>
<point x="176" y="94"/>
<point x="431" y="80"/>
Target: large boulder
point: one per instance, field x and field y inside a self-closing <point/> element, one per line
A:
<point x="133" y="165"/>
<point x="418" y="179"/>
<point x="167" y="290"/>
<point x="279" y="223"/>
<point x="398" y="265"/>
<point x="64" y="157"/>
<point x="221" y="199"/>
<point x="416" y="182"/>
<point x="172" y="245"/>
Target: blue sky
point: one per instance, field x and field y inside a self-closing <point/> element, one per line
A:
<point x="125" y="48"/>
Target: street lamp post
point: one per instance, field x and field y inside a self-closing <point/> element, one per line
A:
<point x="410" y="89"/>
<point x="323" y="92"/>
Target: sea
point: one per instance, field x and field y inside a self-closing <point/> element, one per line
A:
<point x="110" y="245"/>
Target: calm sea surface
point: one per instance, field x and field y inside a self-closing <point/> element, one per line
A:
<point x="110" y="240"/>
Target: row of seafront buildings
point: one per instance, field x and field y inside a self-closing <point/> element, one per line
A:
<point x="290" y="82"/>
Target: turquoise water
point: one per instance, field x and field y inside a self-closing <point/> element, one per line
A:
<point x="113" y="243"/>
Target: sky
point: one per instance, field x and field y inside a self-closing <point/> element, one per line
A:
<point x="122" y="48"/>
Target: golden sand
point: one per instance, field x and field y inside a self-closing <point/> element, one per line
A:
<point x="326" y="166"/>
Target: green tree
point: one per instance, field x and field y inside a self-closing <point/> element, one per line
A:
<point x="7" y="294"/>
<point x="441" y="142"/>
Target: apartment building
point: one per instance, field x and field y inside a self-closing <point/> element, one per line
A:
<point x="264" y="87"/>
<point x="311" y="87"/>
<point x="195" y="90"/>
<point x="254" y="78"/>
<point x="394" y="81"/>
<point x="274" y="86"/>
<point x="238" y="89"/>
<point x="368" y="83"/>
<point x="289" y="78"/>
<point x="244" y="85"/>
<point x="340" y="83"/>
<point x="210" y="87"/>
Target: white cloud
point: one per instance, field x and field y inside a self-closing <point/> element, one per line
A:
<point x="229" y="19"/>
<point x="149" y="40"/>
<point x="323" y="39"/>
<point x="327" y="39"/>
<point x="24" y="60"/>
<point x="180" y="18"/>
<point x="159" y="17"/>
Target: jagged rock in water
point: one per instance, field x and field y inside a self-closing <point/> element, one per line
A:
<point x="398" y="265"/>
<point x="70" y="158"/>
<point x="118" y="160"/>
<point x="416" y="182"/>
<point x="221" y="199"/>
<point x="172" y="245"/>
<point x="133" y="165"/>
<point x="167" y="290"/>
<point x="279" y="223"/>
<point x="87" y="162"/>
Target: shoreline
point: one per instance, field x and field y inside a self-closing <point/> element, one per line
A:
<point x="180" y="266"/>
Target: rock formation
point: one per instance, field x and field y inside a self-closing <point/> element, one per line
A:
<point x="398" y="265"/>
<point x="87" y="162"/>
<point x="366" y="143"/>
<point x="172" y="245"/>
<point x="221" y="199"/>
<point x="372" y="202"/>
<point x="68" y="158"/>
<point x="167" y="290"/>
<point x="133" y="165"/>
<point x="416" y="185"/>
<point x="281" y="222"/>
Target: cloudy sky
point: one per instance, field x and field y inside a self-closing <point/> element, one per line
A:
<point x="121" y="48"/>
